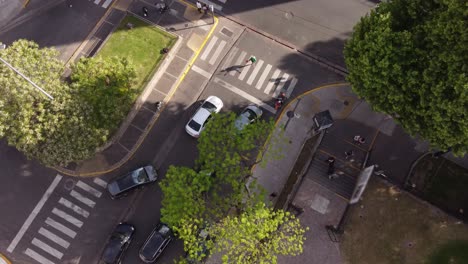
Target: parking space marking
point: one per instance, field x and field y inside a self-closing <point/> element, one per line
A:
<point x="52" y="251"/>
<point x="82" y="199"/>
<point x="34" y="213"/>
<point x="67" y="231"/>
<point x="74" y="207"/>
<point x="37" y="257"/>
<point x="89" y="189"/>
<point x="72" y="220"/>
<point x="53" y="237"/>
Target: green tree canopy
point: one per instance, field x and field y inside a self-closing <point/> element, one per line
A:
<point x="183" y="190"/>
<point x="106" y="85"/>
<point x="407" y="58"/>
<point x="231" y="154"/>
<point x="258" y="235"/>
<point x="58" y="131"/>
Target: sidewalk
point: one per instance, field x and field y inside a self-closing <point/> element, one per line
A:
<point x="192" y="30"/>
<point x="319" y="200"/>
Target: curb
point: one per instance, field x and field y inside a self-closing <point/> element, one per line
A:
<point x="153" y="119"/>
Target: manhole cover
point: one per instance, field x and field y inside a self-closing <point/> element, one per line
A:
<point x="226" y="32"/>
<point x="320" y="204"/>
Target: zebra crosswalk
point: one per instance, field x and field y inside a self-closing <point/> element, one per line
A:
<point x="104" y="4"/>
<point x="66" y="218"/>
<point x="260" y="75"/>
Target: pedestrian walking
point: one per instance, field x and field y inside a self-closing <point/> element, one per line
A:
<point x="199" y="7"/>
<point x="349" y="154"/>
<point x="252" y="59"/>
<point x="358" y="140"/>
<point x="331" y="165"/>
<point x="145" y="11"/>
<point x="335" y="175"/>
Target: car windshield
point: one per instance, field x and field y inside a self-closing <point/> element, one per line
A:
<point x="153" y="245"/>
<point x="209" y="106"/>
<point x="194" y="125"/>
<point x="164" y="230"/>
<point x="250" y="114"/>
<point x="140" y="176"/>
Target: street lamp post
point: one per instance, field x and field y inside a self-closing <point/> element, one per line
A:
<point x="3" y="46"/>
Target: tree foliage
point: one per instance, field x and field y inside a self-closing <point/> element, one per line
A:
<point x="407" y="58"/>
<point x="231" y="154"/>
<point x="57" y="131"/>
<point x="258" y="235"/>
<point x="183" y="190"/>
<point x="106" y="85"/>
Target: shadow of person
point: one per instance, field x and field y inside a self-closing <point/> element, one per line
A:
<point x="233" y="68"/>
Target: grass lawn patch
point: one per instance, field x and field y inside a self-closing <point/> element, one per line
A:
<point x="393" y="227"/>
<point x="142" y="45"/>
<point x="443" y="183"/>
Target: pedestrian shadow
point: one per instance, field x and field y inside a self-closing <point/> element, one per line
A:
<point x="232" y="68"/>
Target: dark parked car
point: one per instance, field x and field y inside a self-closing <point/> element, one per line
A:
<point x="118" y="243"/>
<point x="156" y="243"/>
<point x="134" y="179"/>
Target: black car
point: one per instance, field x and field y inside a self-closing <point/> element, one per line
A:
<point x="132" y="180"/>
<point x="156" y="243"/>
<point x="118" y="243"/>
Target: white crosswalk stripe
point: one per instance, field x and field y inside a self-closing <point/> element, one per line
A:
<point x="272" y="81"/>
<point x="258" y="66"/>
<point x="263" y="76"/>
<point x="52" y="251"/>
<point x="97" y="2"/>
<point x="37" y="257"/>
<point x="208" y="48"/>
<point x="53" y="237"/>
<point x="74" y="207"/>
<point x="72" y="220"/>
<point x="67" y="231"/>
<point x="217" y="52"/>
<point x="89" y="189"/>
<point x="100" y="182"/>
<point x="106" y="3"/>
<point x="82" y="198"/>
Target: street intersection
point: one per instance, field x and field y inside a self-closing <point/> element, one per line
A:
<point x="75" y="217"/>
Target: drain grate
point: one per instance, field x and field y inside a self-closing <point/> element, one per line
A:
<point x="226" y="32"/>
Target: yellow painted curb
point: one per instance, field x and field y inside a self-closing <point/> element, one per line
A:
<point x="134" y="149"/>
<point x="25" y="3"/>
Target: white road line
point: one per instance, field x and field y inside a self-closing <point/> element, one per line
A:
<point x="89" y="189"/>
<point x="272" y="81"/>
<point x="208" y="48"/>
<point x="263" y="77"/>
<point x="245" y="95"/>
<point x="106" y="3"/>
<point x="280" y="86"/>
<point x="97" y="2"/>
<point x="100" y="182"/>
<point x="245" y="69"/>
<point x="257" y="68"/>
<point x="82" y="199"/>
<point x="201" y="71"/>
<point x="74" y="207"/>
<point x="227" y="62"/>
<point x="67" y="231"/>
<point x="53" y="237"/>
<point x="34" y="213"/>
<point x="37" y="257"/>
<point x="67" y="217"/>
<point x="217" y="52"/>
<point x="239" y="61"/>
<point x="52" y="251"/>
<point x="291" y="87"/>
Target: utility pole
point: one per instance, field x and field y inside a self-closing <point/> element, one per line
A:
<point x="3" y="46"/>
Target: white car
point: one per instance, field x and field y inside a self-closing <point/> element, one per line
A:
<point x="197" y="123"/>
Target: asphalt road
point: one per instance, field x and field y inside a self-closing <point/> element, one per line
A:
<point x="166" y="144"/>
